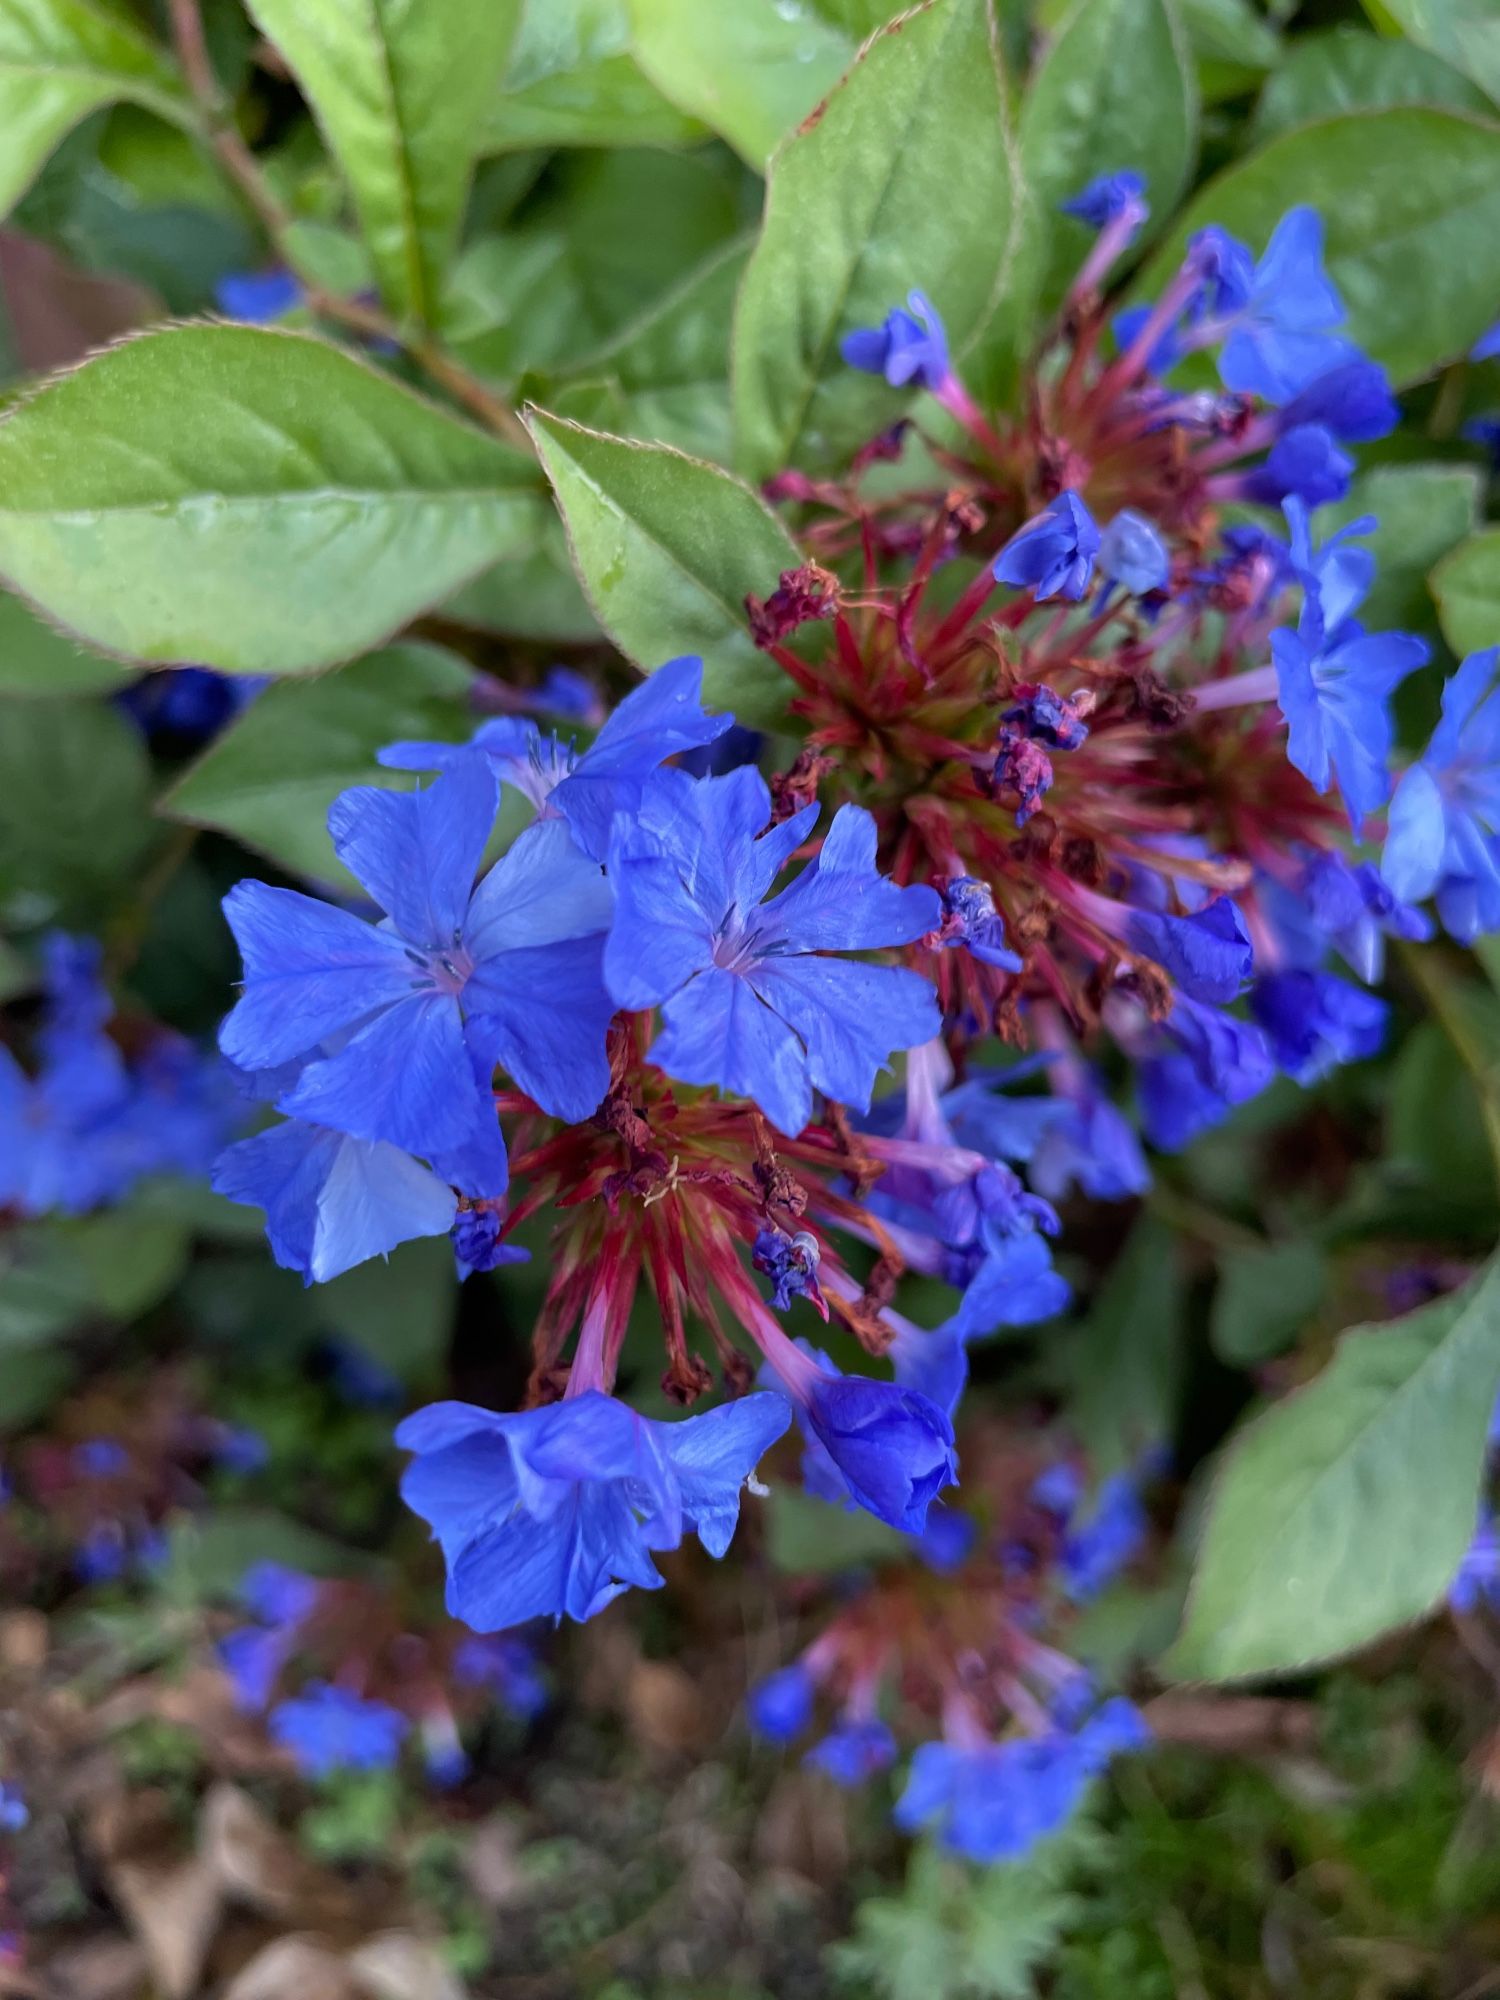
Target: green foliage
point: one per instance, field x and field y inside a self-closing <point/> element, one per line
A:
<point x="1124" y="1363"/>
<point x="1264" y="1299"/>
<point x="959" y="1933"/>
<point x="1411" y="201"/>
<point x="574" y="80"/>
<point x="1347" y="69"/>
<point x="1312" y="1546"/>
<point x="74" y="782"/>
<point x="1421" y="512"/>
<point x="751" y="72"/>
<point x="401" y="92"/>
<point x="36" y="660"/>
<point x="1115" y="90"/>
<point x="1466" y="584"/>
<point x="303" y="508"/>
<point x="860" y="209"/>
<point x="1465" y="33"/>
<point x="667" y="547"/>
<point x="270" y="778"/>
<point x="58" y="62"/>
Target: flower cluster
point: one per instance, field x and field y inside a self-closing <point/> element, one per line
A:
<point x="1094" y="740"/>
<point x="953" y="1645"/>
<point x="391" y="1683"/>
<point x="109" y="1103"/>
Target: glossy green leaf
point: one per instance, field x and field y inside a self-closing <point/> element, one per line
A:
<point x="401" y="89"/>
<point x="752" y="70"/>
<point x="672" y="364"/>
<point x="1343" y="1512"/>
<point x="60" y="60"/>
<point x="535" y="596"/>
<point x="74" y="804"/>
<point x="1421" y="512"/>
<point x="1411" y="202"/>
<point x="38" y="661"/>
<point x="254" y="500"/>
<point x="1350" y="70"/>
<point x="1465" y="33"/>
<point x="573" y="80"/>
<point x="906" y="178"/>
<point x="270" y="778"/>
<point x="1115" y="90"/>
<point x="1265" y="1296"/>
<point x="1466" y="584"/>
<point x="1233" y="45"/>
<point x="667" y="548"/>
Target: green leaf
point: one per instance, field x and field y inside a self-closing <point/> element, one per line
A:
<point x="253" y="500"/>
<point x="74" y="801"/>
<point x="1465" y="33"/>
<point x="1421" y="511"/>
<point x="1466" y="584"/>
<point x="573" y="81"/>
<point x="672" y="364"/>
<point x="754" y="69"/>
<point x="131" y="1256"/>
<point x="1411" y="201"/>
<point x="1349" y="70"/>
<point x="810" y="1537"/>
<point x="207" y="1554"/>
<point x="1435" y="1118"/>
<point x="398" y="1311"/>
<point x="36" y="660"/>
<point x="667" y="548"/>
<point x="1125" y="1363"/>
<point x="1343" y="1511"/>
<point x="270" y="778"/>
<point x="1264" y="1298"/>
<point x="1115" y="90"/>
<point x="401" y="89"/>
<point x="44" y="1289"/>
<point x="904" y="179"/>
<point x="534" y="596"/>
<point x="1233" y="45"/>
<point x="60" y="60"/>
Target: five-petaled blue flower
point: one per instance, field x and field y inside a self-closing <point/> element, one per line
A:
<point x="909" y="346"/>
<point x="556" y="1510"/>
<point x="1054" y="554"/>
<point x="749" y="1001"/>
<point x="422" y="1006"/>
<point x="1443" y="833"/>
<point x="329" y="1729"/>
<point x="660" y="719"/>
<point x="1280" y="322"/>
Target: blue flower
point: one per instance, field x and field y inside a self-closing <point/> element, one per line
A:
<point x="1315" y="1021"/>
<point x="1206" y="955"/>
<point x="749" y="1002"/>
<point x="1352" y="399"/>
<point x="1107" y="197"/>
<point x="253" y="1658"/>
<point x="258" y="297"/>
<point x="1478" y="1578"/>
<point x="946" y="1541"/>
<point x="791" y="1262"/>
<point x="1167" y="351"/>
<point x="328" y="1729"/>
<point x="662" y="718"/>
<point x="360" y="1379"/>
<point x="556" y="1510"/>
<point x="1205" y="1062"/>
<point x="1487" y="347"/>
<point x="1280" y="335"/>
<point x="1355" y="909"/>
<point x="1443" y="834"/>
<point x="907" y="347"/>
<point x="278" y="1595"/>
<point x="971" y="919"/>
<point x="884" y="1447"/>
<point x="1092" y="1144"/>
<point x="477" y="1245"/>
<point x="241" y="1450"/>
<point x="994" y="1802"/>
<point x="445" y="988"/>
<point x="1304" y="464"/>
<point x="1012" y="1283"/>
<point x="1133" y="554"/>
<point x="780" y="1707"/>
<point x="857" y="1750"/>
<point x="14" y="1815"/>
<point x="100" y="1458"/>
<point x="506" y="1665"/>
<point x="331" y="1201"/>
<point x="1094" y="1551"/>
<point x="1334" y="682"/>
<point x="1053" y="555"/>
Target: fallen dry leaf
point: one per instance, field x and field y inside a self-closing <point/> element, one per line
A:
<point x="255" y="1863"/>
<point x="294" y="1969"/>
<point x="174" y="1910"/>
<point x="398" y="1966"/>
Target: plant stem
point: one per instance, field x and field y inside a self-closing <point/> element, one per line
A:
<point x="223" y="136"/>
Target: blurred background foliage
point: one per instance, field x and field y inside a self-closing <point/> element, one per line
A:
<point x="1336" y="1836"/>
